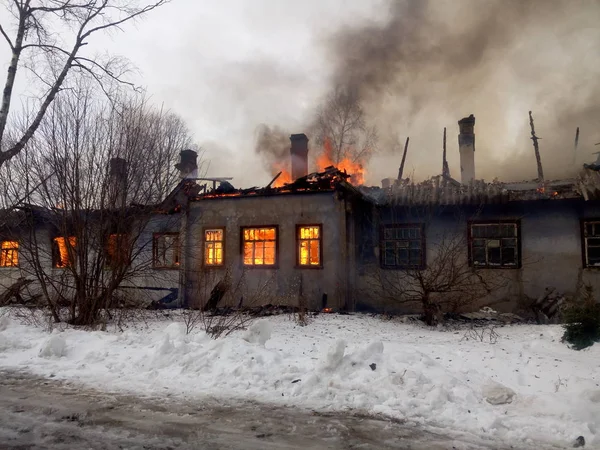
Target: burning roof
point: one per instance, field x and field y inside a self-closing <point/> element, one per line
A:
<point x="326" y="181"/>
<point x="354" y="170"/>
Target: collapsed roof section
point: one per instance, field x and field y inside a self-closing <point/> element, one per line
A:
<point x="328" y="180"/>
<point x="589" y="183"/>
<point x="435" y="191"/>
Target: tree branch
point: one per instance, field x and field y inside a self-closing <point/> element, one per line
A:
<point x="144" y="10"/>
<point x="84" y="13"/>
<point x="10" y="44"/>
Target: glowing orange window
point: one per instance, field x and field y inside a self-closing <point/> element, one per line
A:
<point x="9" y="254"/>
<point x="309" y="245"/>
<point x="259" y="246"/>
<point x="213" y="247"/>
<point x="64" y="251"/>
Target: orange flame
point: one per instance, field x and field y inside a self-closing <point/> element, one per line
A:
<point x="542" y="190"/>
<point x="352" y="168"/>
<point x="285" y="177"/>
<point x="326" y="159"/>
<point x="9" y="254"/>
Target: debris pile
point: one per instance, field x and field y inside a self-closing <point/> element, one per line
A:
<point x="327" y="180"/>
<point x="486" y="316"/>
<point x="547" y="306"/>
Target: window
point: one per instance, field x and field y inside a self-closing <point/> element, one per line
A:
<point x="166" y="251"/>
<point x="63" y="251"/>
<point x="403" y="246"/>
<point x="591" y="237"/>
<point x="213" y="247"/>
<point x="259" y="246"/>
<point x="117" y="250"/>
<point x="494" y="245"/>
<point x="9" y="254"/>
<point x="309" y="245"/>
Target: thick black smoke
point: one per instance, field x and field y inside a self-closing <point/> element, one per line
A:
<point x="425" y="64"/>
<point x="430" y="63"/>
<point x="273" y="145"/>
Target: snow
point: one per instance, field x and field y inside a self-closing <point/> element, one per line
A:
<point x="540" y="390"/>
<point x="55" y="346"/>
<point x="497" y="394"/>
<point x="259" y="332"/>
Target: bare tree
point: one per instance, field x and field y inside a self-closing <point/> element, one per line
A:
<point x="341" y="123"/>
<point x="441" y="281"/>
<point x="102" y="168"/>
<point x="47" y="38"/>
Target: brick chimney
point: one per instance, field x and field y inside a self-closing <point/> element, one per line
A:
<point x="466" y="147"/>
<point x="188" y="164"/>
<point x="117" y="175"/>
<point x="299" y="153"/>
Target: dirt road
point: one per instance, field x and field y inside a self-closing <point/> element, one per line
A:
<point x="38" y="413"/>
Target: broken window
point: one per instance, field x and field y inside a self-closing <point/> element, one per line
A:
<point x="63" y="251"/>
<point x="213" y="247"/>
<point x="591" y="236"/>
<point x="494" y="245"/>
<point x="117" y="250"/>
<point x="309" y="245"/>
<point x="403" y="246"/>
<point x="166" y="251"/>
<point x="9" y="254"/>
<point x="259" y="246"/>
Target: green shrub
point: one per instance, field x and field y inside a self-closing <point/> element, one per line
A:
<point x="582" y="321"/>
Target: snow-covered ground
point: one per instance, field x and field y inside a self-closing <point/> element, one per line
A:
<point x="340" y="362"/>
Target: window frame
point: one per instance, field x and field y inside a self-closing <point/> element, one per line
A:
<point x="423" y="247"/>
<point x="223" y="243"/>
<point x="13" y="249"/>
<point x="259" y="266"/>
<point x="72" y="259"/>
<point x="501" y="266"/>
<point x="298" y="241"/>
<point x="125" y="253"/>
<point x="584" y="246"/>
<point x="155" y="237"/>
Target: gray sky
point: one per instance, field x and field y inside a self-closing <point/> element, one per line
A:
<point x="227" y="66"/>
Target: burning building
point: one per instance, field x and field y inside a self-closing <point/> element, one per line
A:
<point x="286" y="241"/>
<point x="324" y="240"/>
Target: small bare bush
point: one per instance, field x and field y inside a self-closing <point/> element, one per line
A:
<point x="301" y="315"/>
<point x="191" y="319"/>
<point x="560" y="382"/>
<point x="484" y="334"/>
<point x="216" y="323"/>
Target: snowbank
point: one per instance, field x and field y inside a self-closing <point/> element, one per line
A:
<point x="539" y="389"/>
<point x="55" y="346"/>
